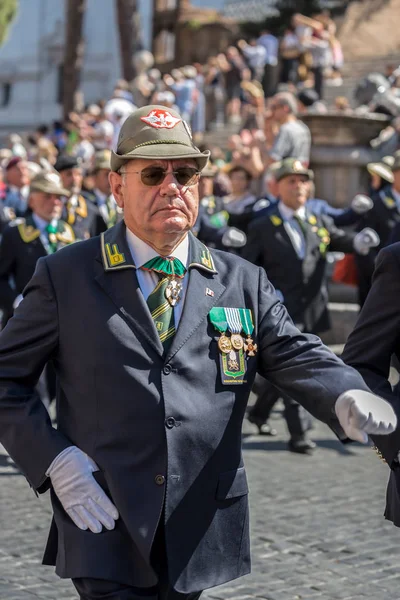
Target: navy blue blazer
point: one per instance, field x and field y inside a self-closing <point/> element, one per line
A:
<point x="164" y="430"/>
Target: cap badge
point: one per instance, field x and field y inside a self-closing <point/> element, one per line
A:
<point x="160" y="119"/>
<point x="297" y="166"/>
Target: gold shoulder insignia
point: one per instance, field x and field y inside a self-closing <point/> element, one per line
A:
<point x="67" y="236"/>
<point x="81" y="209"/>
<point x="379" y="453"/>
<point x="389" y="202"/>
<point x="114" y="256"/>
<point x="312" y="220"/>
<point x="275" y="220"/>
<point x="28" y="233"/>
<point x="206" y="259"/>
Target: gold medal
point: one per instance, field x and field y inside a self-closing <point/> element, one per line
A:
<point x="237" y="341"/>
<point x="250" y="347"/>
<point x="224" y="344"/>
<point x="52" y="238"/>
<point x="173" y="292"/>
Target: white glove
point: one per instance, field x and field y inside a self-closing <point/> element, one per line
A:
<point x="361" y="204"/>
<point x="361" y="413"/>
<point x="234" y="238"/>
<point x="280" y="295"/>
<point x="365" y="240"/>
<point x="17" y="301"/>
<point x="79" y="493"/>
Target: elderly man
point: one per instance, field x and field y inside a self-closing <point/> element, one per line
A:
<point x="153" y="381"/>
<point x="24" y="241"/>
<point x="101" y="194"/>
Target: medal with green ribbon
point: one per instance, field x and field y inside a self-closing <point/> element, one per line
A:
<point x="232" y="357"/>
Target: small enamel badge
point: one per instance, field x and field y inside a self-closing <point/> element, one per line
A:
<point x="160" y="119"/>
<point x="209" y="292"/>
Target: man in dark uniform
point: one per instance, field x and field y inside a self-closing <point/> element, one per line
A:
<point x="82" y="215"/>
<point x="101" y="194"/>
<point x="154" y="378"/>
<point x="24" y="241"/>
<point x="369" y="349"/>
<point x="291" y="243"/>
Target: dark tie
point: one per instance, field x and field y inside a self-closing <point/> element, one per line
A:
<point x="161" y="308"/>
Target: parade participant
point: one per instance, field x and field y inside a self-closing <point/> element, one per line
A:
<point x="15" y="195"/>
<point x="153" y="381"/>
<point x="369" y="349"/>
<point x="291" y="243"/>
<point x="24" y="241"/>
<point x="82" y="215"/>
<point x="384" y="218"/>
<point x="101" y="194"/>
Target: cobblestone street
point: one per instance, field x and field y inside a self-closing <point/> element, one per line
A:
<point x="317" y="527"/>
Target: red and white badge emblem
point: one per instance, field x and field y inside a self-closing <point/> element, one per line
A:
<point x="160" y="119"/>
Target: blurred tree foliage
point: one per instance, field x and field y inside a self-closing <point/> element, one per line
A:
<point x="8" y="12"/>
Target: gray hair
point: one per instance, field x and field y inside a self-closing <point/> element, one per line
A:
<point x="289" y="100"/>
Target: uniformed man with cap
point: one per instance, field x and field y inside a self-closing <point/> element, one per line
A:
<point x="25" y="240"/>
<point x="101" y="195"/>
<point x="82" y="215"/>
<point x="290" y="243"/>
<point x="153" y="381"/>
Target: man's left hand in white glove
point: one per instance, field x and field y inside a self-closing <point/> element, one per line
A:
<point x="361" y="204"/>
<point x="361" y="414"/>
<point x="366" y="239"/>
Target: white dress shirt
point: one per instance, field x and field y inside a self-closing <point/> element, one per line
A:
<point x="293" y="228"/>
<point x="142" y="252"/>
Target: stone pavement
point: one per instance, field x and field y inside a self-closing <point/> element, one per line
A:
<point x="317" y="527"/>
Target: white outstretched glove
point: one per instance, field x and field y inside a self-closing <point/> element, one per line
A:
<point x="234" y="238"/>
<point x="361" y="413"/>
<point x="366" y="239"/>
<point x="361" y="204"/>
<point x="79" y="493"/>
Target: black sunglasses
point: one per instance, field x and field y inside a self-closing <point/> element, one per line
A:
<point x="152" y="176"/>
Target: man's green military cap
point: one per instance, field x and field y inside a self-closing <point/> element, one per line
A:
<point x="156" y="132"/>
<point x="292" y="166"/>
<point x="48" y="182"/>
<point x="102" y="160"/>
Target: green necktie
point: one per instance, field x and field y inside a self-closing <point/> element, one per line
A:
<point x="162" y="312"/>
<point x="51" y="234"/>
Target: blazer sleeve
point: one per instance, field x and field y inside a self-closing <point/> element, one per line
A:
<point x="28" y="341"/>
<point x="341" y="241"/>
<point x="253" y="249"/>
<point x="298" y="364"/>
<point x="7" y="267"/>
<point x="377" y="336"/>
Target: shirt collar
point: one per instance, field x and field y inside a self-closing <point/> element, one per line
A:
<point x="396" y="196"/>
<point x="288" y="213"/>
<point x="142" y="252"/>
<point x="100" y="196"/>
<point x="40" y="223"/>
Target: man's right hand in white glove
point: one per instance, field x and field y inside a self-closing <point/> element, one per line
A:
<point x="361" y="204"/>
<point x="79" y="493"/>
<point x="361" y="413"/>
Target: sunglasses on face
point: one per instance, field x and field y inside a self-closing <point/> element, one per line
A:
<point x="152" y="176"/>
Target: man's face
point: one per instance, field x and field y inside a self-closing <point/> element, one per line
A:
<point x="101" y="181"/>
<point x="396" y="180"/>
<point x="294" y="190"/>
<point x="46" y="206"/>
<point x="239" y="182"/>
<point x="159" y="212"/>
<point x="278" y="110"/>
<point x="18" y="175"/>
<point x="72" y="179"/>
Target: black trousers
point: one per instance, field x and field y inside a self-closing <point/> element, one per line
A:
<point x="99" y="589"/>
<point x="298" y="420"/>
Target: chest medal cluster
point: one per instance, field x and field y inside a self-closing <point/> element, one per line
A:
<point x="235" y="343"/>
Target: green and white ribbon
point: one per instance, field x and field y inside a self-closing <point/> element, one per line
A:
<point x="234" y="319"/>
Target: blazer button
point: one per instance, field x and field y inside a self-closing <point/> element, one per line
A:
<point x="170" y="422"/>
<point x="159" y="479"/>
<point x="167" y="369"/>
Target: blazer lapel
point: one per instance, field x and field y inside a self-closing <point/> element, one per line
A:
<point x="117" y="276"/>
<point x="197" y="302"/>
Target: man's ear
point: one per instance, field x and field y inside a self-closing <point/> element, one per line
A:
<point x="115" y="180"/>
